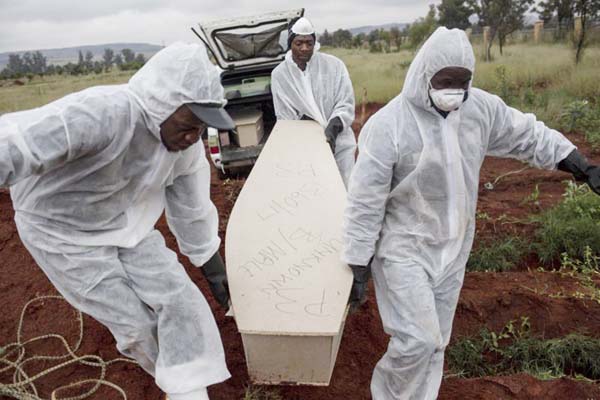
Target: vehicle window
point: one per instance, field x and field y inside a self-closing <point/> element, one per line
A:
<point x="267" y="40"/>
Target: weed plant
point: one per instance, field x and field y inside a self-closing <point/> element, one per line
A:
<point x="257" y="393"/>
<point x="583" y="116"/>
<point x="496" y="255"/>
<point x="513" y="350"/>
<point x="586" y="271"/>
<point x="570" y="227"/>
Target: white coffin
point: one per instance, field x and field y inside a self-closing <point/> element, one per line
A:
<point x="289" y="288"/>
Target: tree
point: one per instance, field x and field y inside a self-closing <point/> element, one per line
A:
<point x="423" y="27"/>
<point x="108" y="58"/>
<point x="89" y="63"/>
<point x="128" y="55"/>
<point x="373" y="36"/>
<point x="39" y="63"/>
<point x="27" y="63"/>
<point x="325" y="39"/>
<point x="588" y="11"/>
<point x="395" y="37"/>
<point x="118" y="60"/>
<point x="15" y="67"/>
<point x="561" y="10"/>
<point x="386" y="38"/>
<point x="358" y="40"/>
<point x="342" y="38"/>
<point x="456" y="13"/>
<point x="503" y="17"/>
<point x="80" y="61"/>
<point x="97" y="67"/>
<point x="140" y="59"/>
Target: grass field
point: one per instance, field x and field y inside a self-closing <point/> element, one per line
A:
<point x="540" y="79"/>
<point x="42" y="90"/>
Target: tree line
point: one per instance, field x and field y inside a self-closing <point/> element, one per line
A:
<point x="35" y="63"/>
<point x="503" y="17"/>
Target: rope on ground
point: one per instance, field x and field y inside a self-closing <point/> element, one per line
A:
<point x="491" y="185"/>
<point x="14" y="358"/>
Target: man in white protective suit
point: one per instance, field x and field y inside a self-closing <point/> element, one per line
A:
<point x="412" y="201"/>
<point x="91" y="173"/>
<point x="312" y="85"/>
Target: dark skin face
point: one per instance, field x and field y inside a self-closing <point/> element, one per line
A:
<point x="303" y="47"/>
<point x="452" y="78"/>
<point x="181" y="130"/>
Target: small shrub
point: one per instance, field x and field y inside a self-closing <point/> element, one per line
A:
<point x="583" y="117"/>
<point x="254" y="393"/>
<point x="513" y="350"/>
<point x="572" y="354"/>
<point x="503" y="86"/>
<point x="375" y="48"/>
<point x="534" y="198"/>
<point x="575" y="113"/>
<point x="497" y="255"/>
<point x="570" y="227"/>
<point x="466" y="358"/>
<point x="587" y="271"/>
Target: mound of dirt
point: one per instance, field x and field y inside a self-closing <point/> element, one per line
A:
<point x="550" y="300"/>
<point x="521" y="387"/>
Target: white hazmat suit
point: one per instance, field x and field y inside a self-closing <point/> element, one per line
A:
<point x="89" y="178"/>
<point x="323" y="91"/>
<point x="412" y="202"/>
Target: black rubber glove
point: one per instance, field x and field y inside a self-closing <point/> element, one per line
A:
<point x="358" y="293"/>
<point x="332" y="131"/>
<point x="214" y="272"/>
<point x="576" y="164"/>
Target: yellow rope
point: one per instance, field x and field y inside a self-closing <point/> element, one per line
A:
<point x="13" y="357"/>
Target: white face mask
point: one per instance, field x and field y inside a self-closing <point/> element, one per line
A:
<point x="447" y="99"/>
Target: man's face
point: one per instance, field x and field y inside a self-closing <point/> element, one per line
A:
<point x="452" y="78"/>
<point x="181" y="130"/>
<point x="303" y="47"/>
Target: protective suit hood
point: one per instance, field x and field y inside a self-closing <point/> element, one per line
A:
<point x="444" y="48"/>
<point x="178" y="74"/>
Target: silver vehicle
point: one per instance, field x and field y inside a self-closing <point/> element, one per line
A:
<point x="247" y="50"/>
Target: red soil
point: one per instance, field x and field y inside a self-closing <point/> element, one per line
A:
<point x="487" y="299"/>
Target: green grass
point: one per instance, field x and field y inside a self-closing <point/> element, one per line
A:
<point x="257" y="393"/>
<point x="514" y="350"/>
<point x="540" y="79"/>
<point x="571" y="227"/>
<point x="496" y="255"/>
<point x="381" y="74"/>
<point x="42" y="90"/>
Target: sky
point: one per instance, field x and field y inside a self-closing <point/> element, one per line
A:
<point x="45" y="24"/>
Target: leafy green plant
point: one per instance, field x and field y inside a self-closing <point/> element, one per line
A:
<point x="514" y="350"/>
<point x="503" y="86"/>
<point x="533" y="198"/>
<point x="570" y="227"/>
<point x="496" y="255"/>
<point x="575" y="113"/>
<point x="466" y="358"/>
<point x="586" y="270"/>
<point x="581" y="115"/>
